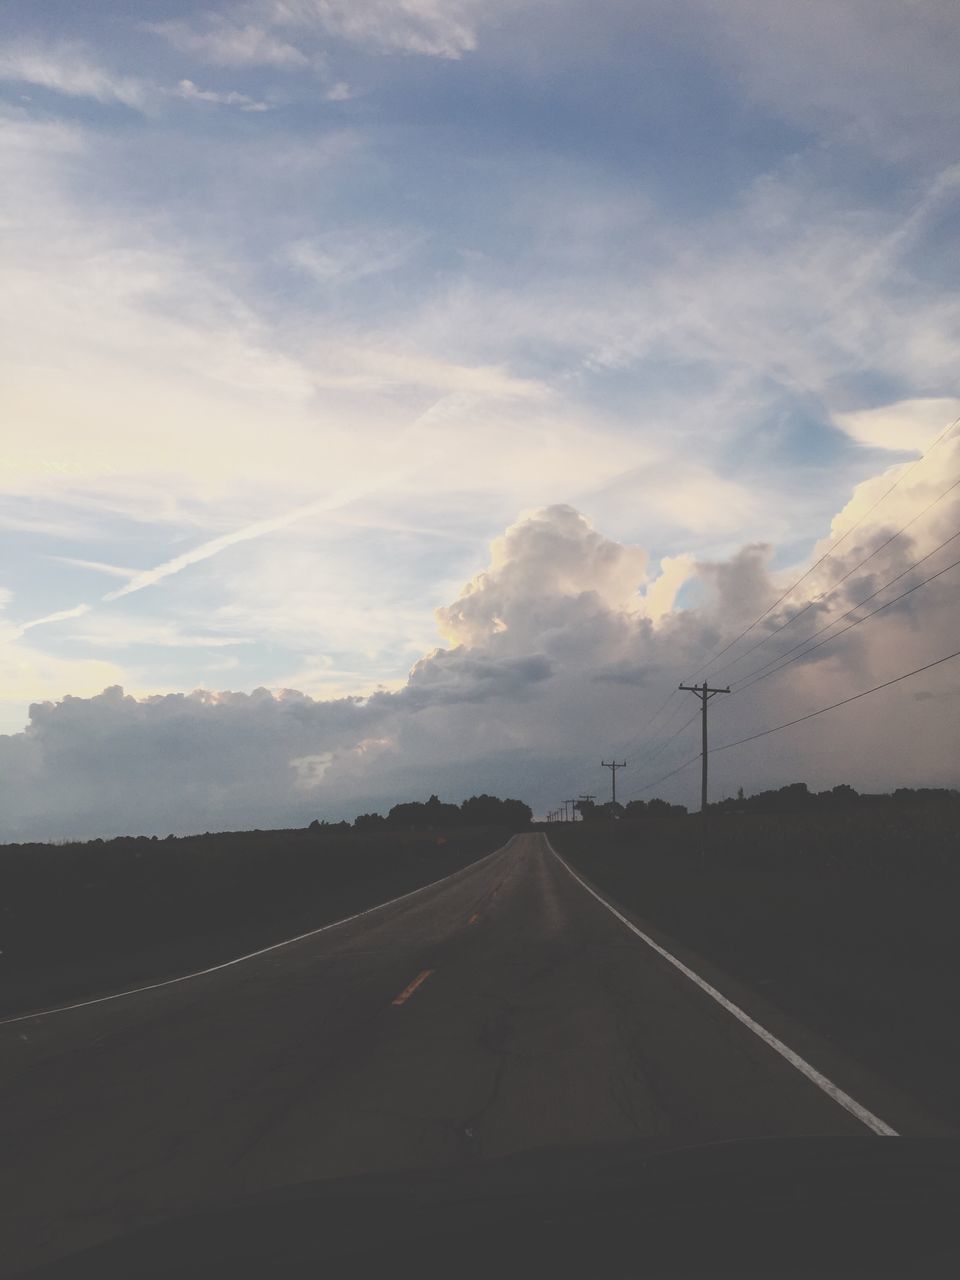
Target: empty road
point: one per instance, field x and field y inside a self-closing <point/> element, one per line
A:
<point x="501" y="1010"/>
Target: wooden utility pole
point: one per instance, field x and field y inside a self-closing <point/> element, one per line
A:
<point x="704" y="694"/>
<point x="613" y="766"/>
<point x="573" y="812"/>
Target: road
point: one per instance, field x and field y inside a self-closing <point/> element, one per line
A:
<point x="501" y="1010"/>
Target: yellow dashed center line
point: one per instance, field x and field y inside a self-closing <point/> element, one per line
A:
<point x="407" y="992"/>
<point x="475" y="918"/>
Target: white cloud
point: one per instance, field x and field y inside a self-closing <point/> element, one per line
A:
<point x="558" y="658"/>
<point x="187" y="90"/>
<point x="15" y="631"/>
<point x="340" y="256"/>
<point x="437" y="28"/>
<point x="563" y="344"/>
<point x="290" y="34"/>
<point x="98" y="566"/>
<point x="907" y="424"/>
<point x="69" y="69"/>
<point x="553" y="556"/>
<point x="219" y="397"/>
<point x="231" y="44"/>
<point x="122" y="633"/>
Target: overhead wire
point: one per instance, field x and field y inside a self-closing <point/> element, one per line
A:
<point x="746" y="681"/>
<point x="679" y="769"/>
<point x="763" y="733"/>
<point x="777" y="663"/>
<point x="829" y="590"/>
<point x="830" y="550"/>
<point x="810" y="715"/>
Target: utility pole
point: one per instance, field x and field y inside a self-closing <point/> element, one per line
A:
<point x="704" y="694"/>
<point x="613" y="766"/>
<point x="573" y="810"/>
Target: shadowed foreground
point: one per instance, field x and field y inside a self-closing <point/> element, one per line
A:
<point x="500" y="1011"/>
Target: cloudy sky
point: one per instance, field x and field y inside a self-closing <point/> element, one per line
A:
<point x="404" y="395"/>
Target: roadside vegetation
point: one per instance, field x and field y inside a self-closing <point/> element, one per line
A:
<point x="83" y="919"/>
<point x="842" y="909"/>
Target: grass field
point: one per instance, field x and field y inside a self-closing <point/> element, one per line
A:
<point x="78" y="920"/>
<point x="848" y="920"/>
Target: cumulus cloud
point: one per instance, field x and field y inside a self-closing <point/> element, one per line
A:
<point x="555" y="658"/>
<point x="552" y="556"/>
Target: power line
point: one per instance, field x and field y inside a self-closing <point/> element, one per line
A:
<point x="628" y="746"/>
<point x="666" y="742"/>
<point x="680" y="767"/>
<point x="686" y="725"/>
<point x="777" y="662"/>
<point x="866" y="617"/>
<point x="842" y="703"/>
<point x="833" y="546"/>
<point x="788" y="724"/>
<point x="829" y="590"/>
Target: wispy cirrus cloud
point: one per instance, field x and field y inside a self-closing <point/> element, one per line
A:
<point x="347" y="255"/>
<point x="223" y="42"/>
<point x="68" y="68"/>
<point x="190" y="92"/>
<point x="292" y="34"/>
<point x="435" y="28"/>
<point x="73" y="70"/>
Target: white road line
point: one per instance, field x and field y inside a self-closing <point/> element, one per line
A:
<point x="833" y="1091"/>
<point x="251" y="955"/>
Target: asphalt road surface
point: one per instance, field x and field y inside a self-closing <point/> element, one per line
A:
<point x="501" y="1010"/>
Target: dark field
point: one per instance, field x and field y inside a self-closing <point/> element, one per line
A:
<point x="847" y="921"/>
<point x="80" y="920"/>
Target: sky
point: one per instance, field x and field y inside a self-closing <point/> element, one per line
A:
<point x="404" y="396"/>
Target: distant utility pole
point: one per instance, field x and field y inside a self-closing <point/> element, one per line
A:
<point x="613" y="766"/>
<point x="582" y="799"/>
<point x="573" y="810"/>
<point x="704" y="694"/>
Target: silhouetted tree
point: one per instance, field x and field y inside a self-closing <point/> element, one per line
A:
<point x="490" y="811"/>
<point x="369" y="821"/>
<point x="658" y="808"/>
<point x="432" y="814"/>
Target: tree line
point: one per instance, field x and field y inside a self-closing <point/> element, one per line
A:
<point x="478" y="811"/>
<point x="792" y="798"/>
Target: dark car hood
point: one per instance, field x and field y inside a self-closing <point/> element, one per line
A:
<point x="773" y="1207"/>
